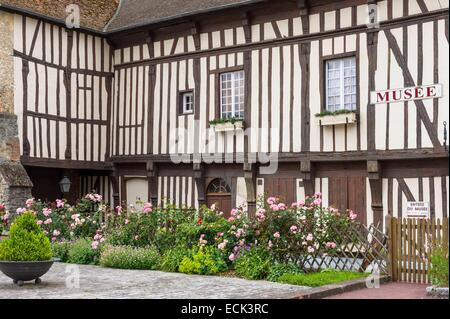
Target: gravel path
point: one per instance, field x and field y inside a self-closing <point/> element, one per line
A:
<point x="97" y="282"/>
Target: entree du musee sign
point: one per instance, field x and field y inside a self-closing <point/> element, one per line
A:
<point x="407" y="94"/>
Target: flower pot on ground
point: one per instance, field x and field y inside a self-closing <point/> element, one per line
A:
<point x="26" y="254"/>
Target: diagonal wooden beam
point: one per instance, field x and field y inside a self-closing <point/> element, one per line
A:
<point x="409" y="81"/>
<point x="422" y="5"/>
<point x="405" y="189"/>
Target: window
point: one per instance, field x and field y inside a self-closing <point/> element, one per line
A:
<point x="187" y="102"/>
<point x="341" y="84"/>
<point x="232" y="95"/>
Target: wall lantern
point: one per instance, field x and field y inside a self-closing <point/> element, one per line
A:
<point x="64" y="185"/>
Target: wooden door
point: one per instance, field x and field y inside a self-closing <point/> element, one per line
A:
<point x="223" y="202"/>
<point x="283" y="188"/>
<point x="348" y="192"/>
<point x="219" y="193"/>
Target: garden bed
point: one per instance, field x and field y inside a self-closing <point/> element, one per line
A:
<point x="282" y="239"/>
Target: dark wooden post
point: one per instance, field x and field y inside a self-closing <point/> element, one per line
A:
<point x="152" y="179"/>
<point x="307" y="174"/>
<point x="376" y="190"/>
<point x="250" y="181"/>
<point x="199" y="179"/>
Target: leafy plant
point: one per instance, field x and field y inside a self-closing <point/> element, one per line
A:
<point x="26" y="241"/>
<point x="439" y="266"/>
<point x="126" y="257"/>
<point x="254" y="264"/>
<point x="332" y="113"/>
<point x="204" y="261"/>
<point x="322" y="278"/>
<point x="231" y="120"/>
<point x="171" y="259"/>
<point x="81" y="252"/>
<point x="61" y="250"/>
<point x="277" y="270"/>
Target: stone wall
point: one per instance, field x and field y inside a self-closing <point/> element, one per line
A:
<point x="15" y="185"/>
<point x="6" y="63"/>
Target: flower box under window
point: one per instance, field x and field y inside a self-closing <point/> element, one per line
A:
<point x="336" y="119"/>
<point x="227" y="126"/>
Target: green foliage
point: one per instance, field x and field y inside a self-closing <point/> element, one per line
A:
<point x="322" y="278"/>
<point x="26" y="241"/>
<point x="171" y="259"/>
<point x="204" y="261"/>
<point x="338" y="112"/>
<point x="277" y="270"/>
<point x="231" y="120"/>
<point x="253" y="264"/>
<point x="81" y="252"/>
<point x="61" y="250"/>
<point x="439" y="266"/>
<point x="126" y="257"/>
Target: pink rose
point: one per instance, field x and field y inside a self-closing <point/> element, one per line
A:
<point x="39" y="222"/>
<point x="301" y="203"/>
<point x="274" y="207"/>
<point x="20" y="210"/>
<point x="318" y="195"/>
<point x="46" y="212"/>
<point x="231" y="219"/>
<point x="282" y="206"/>
<point x="48" y="221"/>
<point x="126" y="221"/>
<point x="317" y="201"/>
<point x="310" y="249"/>
<point x="232" y="257"/>
<point x="56" y="233"/>
<point x="119" y="210"/>
<point x="352" y="215"/>
<point x="271" y="200"/>
<point x="59" y="203"/>
<point x="94" y="245"/>
<point x="147" y="208"/>
<point x="29" y="202"/>
<point x="293" y="229"/>
<point x="276" y="235"/>
<point x="310" y="237"/>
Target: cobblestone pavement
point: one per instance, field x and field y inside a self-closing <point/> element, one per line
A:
<point x="98" y="282"/>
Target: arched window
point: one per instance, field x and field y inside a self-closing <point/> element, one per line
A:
<point x="218" y="186"/>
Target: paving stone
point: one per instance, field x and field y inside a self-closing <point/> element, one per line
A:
<point x="101" y="283"/>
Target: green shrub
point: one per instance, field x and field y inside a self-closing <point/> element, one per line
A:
<point x="61" y="250"/>
<point x="81" y="252"/>
<point x="439" y="266"/>
<point x="204" y="261"/>
<point x="322" y="278"/>
<point x="172" y="258"/>
<point x="277" y="270"/>
<point x="254" y="264"/>
<point x="26" y="241"/>
<point x="126" y="257"/>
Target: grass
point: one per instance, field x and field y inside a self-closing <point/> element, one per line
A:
<point x="318" y="279"/>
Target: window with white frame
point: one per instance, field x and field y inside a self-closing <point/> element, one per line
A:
<point x="232" y="95"/>
<point x="187" y="102"/>
<point x="341" y="84"/>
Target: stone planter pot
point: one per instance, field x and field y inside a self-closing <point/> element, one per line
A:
<point x="437" y="292"/>
<point x="21" y="271"/>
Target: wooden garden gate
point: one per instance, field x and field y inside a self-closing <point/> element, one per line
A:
<point x="410" y="244"/>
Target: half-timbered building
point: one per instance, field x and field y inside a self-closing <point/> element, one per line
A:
<point x="221" y="101"/>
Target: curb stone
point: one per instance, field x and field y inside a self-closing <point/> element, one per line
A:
<point x="334" y="289"/>
<point x="436" y="292"/>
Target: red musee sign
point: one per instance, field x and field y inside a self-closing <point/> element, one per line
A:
<point x="407" y="94"/>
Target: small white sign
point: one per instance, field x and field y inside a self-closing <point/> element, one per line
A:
<point x="418" y="209"/>
<point x="406" y="94"/>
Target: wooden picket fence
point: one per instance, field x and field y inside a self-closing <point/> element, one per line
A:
<point x="410" y="245"/>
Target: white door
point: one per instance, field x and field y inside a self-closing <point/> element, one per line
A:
<point x="137" y="191"/>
